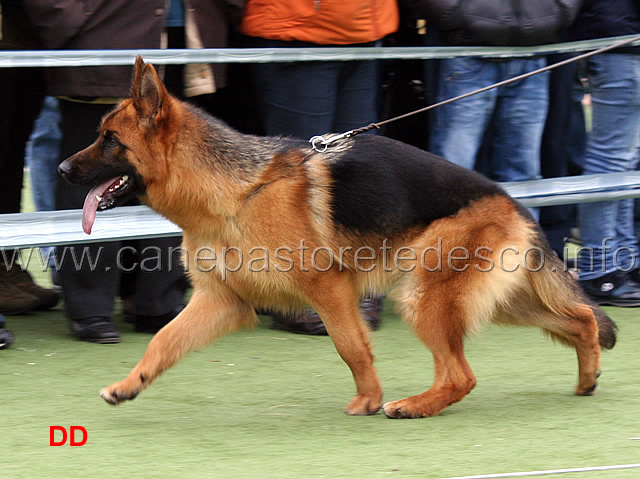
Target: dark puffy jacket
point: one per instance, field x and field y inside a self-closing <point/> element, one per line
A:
<point x="498" y="22"/>
<point x="606" y="18"/>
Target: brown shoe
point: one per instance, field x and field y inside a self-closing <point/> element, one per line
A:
<point x="47" y="298"/>
<point x="13" y="299"/>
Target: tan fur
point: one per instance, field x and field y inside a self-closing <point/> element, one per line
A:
<point x="248" y="208"/>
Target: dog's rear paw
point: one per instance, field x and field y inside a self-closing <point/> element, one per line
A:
<point x="116" y="394"/>
<point x="394" y="410"/>
<point x="589" y="386"/>
<point x="587" y="391"/>
<point x="407" y="409"/>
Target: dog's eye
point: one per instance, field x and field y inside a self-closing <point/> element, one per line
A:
<point x="110" y="141"/>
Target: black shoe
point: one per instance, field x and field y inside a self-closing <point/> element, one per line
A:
<point x="305" y="322"/>
<point x="309" y="322"/>
<point x="95" y="330"/>
<point x="153" y="324"/>
<point x="371" y="310"/>
<point x="634" y="274"/>
<point x="6" y="336"/>
<point x="55" y="280"/>
<point x="613" y="289"/>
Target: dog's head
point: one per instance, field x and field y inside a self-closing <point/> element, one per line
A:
<point x="127" y="156"/>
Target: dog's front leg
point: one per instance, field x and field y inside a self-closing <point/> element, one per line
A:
<point x="337" y="305"/>
<point x="205" y="318"/>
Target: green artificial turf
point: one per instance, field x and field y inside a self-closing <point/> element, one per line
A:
<point x="263" y="403"/>
<point x="268" y="404"/>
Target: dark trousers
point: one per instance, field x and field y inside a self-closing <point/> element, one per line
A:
<point x="90" y="288"/>
<point x="304" y="99"/>
<point x="21" y="96"/>
<point x="562" y="147"/>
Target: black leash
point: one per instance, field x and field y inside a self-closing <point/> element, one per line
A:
<point x="320" y="143"/>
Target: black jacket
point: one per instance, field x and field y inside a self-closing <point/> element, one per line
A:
<point x="498" y="22"/>
<point x="606" y="18"/>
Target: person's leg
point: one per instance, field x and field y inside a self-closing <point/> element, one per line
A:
<point x="458" y="127"/>
<point x="88" y="272"/>
<point x="41" y="156"/>
<point x="611" y="147"/>
<point x="557" y="221"/>
<point x="43" y="153"/>
<point x="298" y="98"/>
<point x="625" y="258"/>
<point x="520" y="121"/>
<point x="610" y="247"/>
<point x="21" y="94"/>
<point x="160" y="283"/>
<point x="357" y="95"/>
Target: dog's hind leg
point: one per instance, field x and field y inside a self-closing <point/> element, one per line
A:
<point x="441" y="325"/>
<point x="581" y="332"/>
<point x="568" y="318"/>
<point x="205" y="318"/>
<point x="338" y="307"/>
<point x="576" y="328"/>
<point x="552" y="301"/>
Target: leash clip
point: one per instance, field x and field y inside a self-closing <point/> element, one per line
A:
<point x="320" y="144"/>
<point x="319" y="140"/>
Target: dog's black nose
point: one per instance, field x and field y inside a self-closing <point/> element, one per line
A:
<point x="64" y="168"/>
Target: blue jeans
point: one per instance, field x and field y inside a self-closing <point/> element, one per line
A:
<point x="304" y="99"/>
<point x="607" y="229"/>
<point x="518" y="112"/>
<point x="42" y="155"/>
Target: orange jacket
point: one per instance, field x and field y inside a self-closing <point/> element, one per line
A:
<point x="325" y="22"/>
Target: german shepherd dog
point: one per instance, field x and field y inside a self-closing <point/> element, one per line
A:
<point x="285" y="226"/>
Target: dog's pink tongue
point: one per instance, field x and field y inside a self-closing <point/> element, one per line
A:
<point x="91" y="205"/>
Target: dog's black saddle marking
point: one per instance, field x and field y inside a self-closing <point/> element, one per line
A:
<point x="385" y="186"/>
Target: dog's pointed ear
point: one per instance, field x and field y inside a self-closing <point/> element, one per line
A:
<point x="137" y="76"/>
<point x="148" y="92"/>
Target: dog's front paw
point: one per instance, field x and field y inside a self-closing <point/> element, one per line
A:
<point x="119" y="392"/>
<point x="363" y="405"/>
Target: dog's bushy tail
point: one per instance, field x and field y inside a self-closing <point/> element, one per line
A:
<point x="560" y="293"/>
<point x="607" y="329"/>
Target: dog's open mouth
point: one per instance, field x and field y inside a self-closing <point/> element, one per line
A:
<point x="105" y="196"/>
